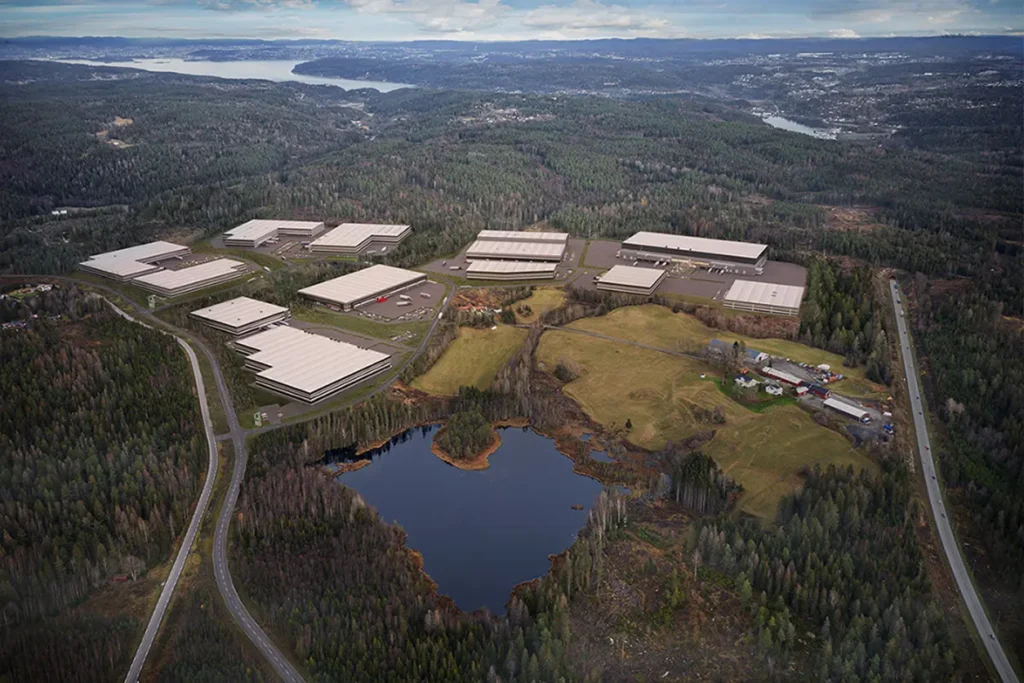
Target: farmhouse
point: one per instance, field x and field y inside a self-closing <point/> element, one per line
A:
<point x="746" y="382"/>
<point x="510" y="270"/>
<point x="240" y="315"/>
<point x="363" y="286"/>
<point x="630" y="280"/>
<point x="352" y="238"/>
<point x="657" y="246"/>
<point x="257" y="231"/>
<point x="305" y="366"/>
<point x="764" y="297"/>
<point x="171" y="283"/>
<point x="124" y="264"/>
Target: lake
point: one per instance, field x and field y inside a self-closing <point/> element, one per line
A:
<point x="482" y="532"/>
<point x="793" y="126"/>
<point x="269" y="70"/>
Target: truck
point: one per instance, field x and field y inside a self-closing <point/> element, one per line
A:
<point x="381" y="299"/>
<point x="425" y="295"/>
<point x="404" y="303"/>
<point x="405" y="297"/>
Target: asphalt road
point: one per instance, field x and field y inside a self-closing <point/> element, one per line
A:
<point x="956" y="561"/>
<point x="197" y="517"/>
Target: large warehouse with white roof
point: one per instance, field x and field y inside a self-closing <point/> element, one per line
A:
<point x="125" y="264"/>
<point x="171" y="283"/>
<point x="508" y="245"/>
<point x="510" y="270"/>
<point x="352" y="238"/>
<point x="305" y="366"/>
<point x="240" y="315"/>
<point x="257" y="231"/>
<point x="363" y="286"/>
<point x="764" y="297"/>
<point x="630" y="280"/>
<point x="652" y="246"/>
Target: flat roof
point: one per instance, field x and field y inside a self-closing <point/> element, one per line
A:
<point x="362" y="284"/>
<point x="354" y="234"/>
<point x="511" y="267"/>
<point x="522" y="236"/>
<point x="133" y="259"/>
<point x="629" y="276"/>
<point x="704" y="245"/>
<point x="184" y="277"/>
<point x="765" y="293"/>
<point x="511" y="250"/>
<point x="239" y="311"/>
<point x="259" y="227"/>
<point x="306" y="361"/>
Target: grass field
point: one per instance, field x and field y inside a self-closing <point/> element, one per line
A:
<point x="473" y="359"/>
<point x="665" y="399"/>
<point x="361" y="325"/>
<point x="541" y="301"/>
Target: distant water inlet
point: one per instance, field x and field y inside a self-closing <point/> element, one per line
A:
<point x="482" y="532"/>
<point x="794" y="127"/>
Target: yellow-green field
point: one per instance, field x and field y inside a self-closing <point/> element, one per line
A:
<point x="473" y="360"/>
<point x="540" y="302"/>
<point x="663" y="396"/>
<point x="360" y="325"/>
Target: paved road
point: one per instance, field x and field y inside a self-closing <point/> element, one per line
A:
<point x="956" y="561"/>
<point x="197" y="517"/>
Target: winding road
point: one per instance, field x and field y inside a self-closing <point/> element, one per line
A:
<point x="956" y="560"/>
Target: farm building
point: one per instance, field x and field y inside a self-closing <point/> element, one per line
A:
<point x="240" y="315"/>
<point x="801" y="391"/>
<point x="363" y="286"/>
<point x="171" y="283"/>
<point x="746" y="382"/>
<point x="124" y="264"/>
<point x="305" y="366"/>
<point x="510" y="270"/>
<point x="352" y="238"/>
<point x="510" y="245"/>
<point x="657" y="246"/>
<point x="818" y="390"/>
<point x="257" y="231"/>
<point x="750" y="355"/>
<point x="847" y="409"/>
<point x="764" y="297"/>
<point x="781" y="376"/>
<point x="773" y="389"/>
<point x="630" y="280"/>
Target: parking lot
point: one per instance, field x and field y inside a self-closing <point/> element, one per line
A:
<point x="420" y="307"/>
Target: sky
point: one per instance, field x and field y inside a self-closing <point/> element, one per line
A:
<point x="401" y="20"/>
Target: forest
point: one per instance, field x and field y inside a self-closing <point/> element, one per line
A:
<point x="101" y="463"/>
<point x="465" y="435"/>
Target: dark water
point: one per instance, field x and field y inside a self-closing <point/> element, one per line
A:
<point x="483" y="532"/>
<point x="601" y="456"/>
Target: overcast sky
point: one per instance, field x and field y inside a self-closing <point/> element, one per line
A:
<point x="507" y="19"/>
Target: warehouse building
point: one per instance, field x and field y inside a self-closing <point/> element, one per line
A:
<point x="124" y="264"/>
<point x="257" y="231"/>
<point x="630" y="280"/>
<point x="171" y="283"/>
<point x="657" y="246"/>
<point x="509" y="245"/>
<point x="847" y="409"/>
<point x="520" y="236"/>
<point x="510" y="270"/>
<point x="764" y="297"/>
<point x="363" y="286"/>
<point x="240" y="315"/>
<point x="305" y="366"/>
<point x="352" y="238"/>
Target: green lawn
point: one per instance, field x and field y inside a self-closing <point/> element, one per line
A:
<point x="256" y="257"/>
<point x="473" y="359"/>
<point x="360" y="325"/>
<point x="541" y="301"/>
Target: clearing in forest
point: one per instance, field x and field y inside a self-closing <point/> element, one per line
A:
<point x="665" y="400"/>
<point x="540" y="302"/>
<point x="473" y="359"/>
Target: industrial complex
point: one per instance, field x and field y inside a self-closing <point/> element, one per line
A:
<point x="125" y="264"/>
<point x="630" y="280"/>
<point x="171" y="283"/>
<point x="701" y="251"/>
<point x="510" y="270"/>
<point x="305" y="366"/>
<point x="507" y="245"/>
<point x="352" y="238"/>
<point x="257" y="231"/>
<point x="764" y="297"/>
<point x="240" y="315"/>
<point x="363" y="286"/>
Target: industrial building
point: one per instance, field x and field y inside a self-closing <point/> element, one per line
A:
<point x="305" y="366"/>
<point x="352" y="238"/>
<point x="520" y="236"/>
<point x="657" y="246"/>
<point x="508" y="245"/>
<point x="847" y="409"/>
<point x="630" y="280"/>
<point x="124" y="264"/>
<point x="363" y="286"/>
<point x="782" y="376"/>
<point x="510" y="270"/>
<point x="257" y="231"/>
<point x="171" y="283"/>
<point x="240" y="315"/>
<point x="764" y="297"/>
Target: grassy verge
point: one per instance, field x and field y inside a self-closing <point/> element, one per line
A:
<point x="259" y="258"/>
<point x="217" y="415"/>
<point x="360" y="325"/>
<point x="473" y="359"/>
<point x="540" y="302"/>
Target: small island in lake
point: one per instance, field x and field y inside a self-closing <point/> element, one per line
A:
<point x="466" y="441"/>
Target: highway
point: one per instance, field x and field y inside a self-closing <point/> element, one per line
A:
<point x="956" y="561"/>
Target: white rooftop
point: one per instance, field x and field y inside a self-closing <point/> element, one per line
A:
<point x="130" y="260"/>
<point x="632" y="277"/>
<point x="522" y="236"/>
<point x="259" y="227"/>
<point x="307" y="361"/>
<point x="511" y="267"/>
<point x="183" y="277"/>
<point x="511" y="250"/>
<point x="767" y="293"/>
<point x="354" y="234"/>
<point x="362" y="284"/>
<point x="702" y="245"/>
<point x="239" y="312"/>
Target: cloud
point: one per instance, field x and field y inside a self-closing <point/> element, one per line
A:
<point x="842" y="33"/>
<point x="587" y="18"/>
<point x="438" y="16"/>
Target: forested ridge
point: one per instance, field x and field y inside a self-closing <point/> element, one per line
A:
<point x="101" y="460"/>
